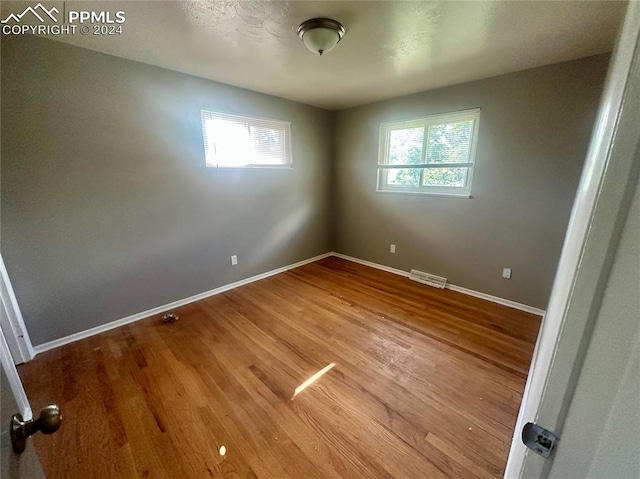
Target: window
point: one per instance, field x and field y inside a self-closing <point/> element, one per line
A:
<point x="432" y="155"/>
<point x="242" y="142"/>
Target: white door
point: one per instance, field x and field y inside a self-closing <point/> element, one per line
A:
<point x="12" y="465"/>
<point x="583" y="381"/>
<point x="601" y="432"/>
<point x="11" y="321"/>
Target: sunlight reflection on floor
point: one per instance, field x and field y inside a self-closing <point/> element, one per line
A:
<point x="312" y="379"/>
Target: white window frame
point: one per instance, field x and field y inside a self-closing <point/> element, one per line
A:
<point x="383" y="154"/>
<point x="284" y="126"/>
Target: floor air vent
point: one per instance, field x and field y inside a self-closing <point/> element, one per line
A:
<point x="426" y="278"/>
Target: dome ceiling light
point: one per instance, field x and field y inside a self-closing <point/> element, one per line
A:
<point x="320" y="35"/>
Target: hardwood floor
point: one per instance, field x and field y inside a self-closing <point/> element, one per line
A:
<point x="426" y="383"/>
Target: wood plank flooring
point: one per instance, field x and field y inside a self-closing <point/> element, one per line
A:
<point x="426" y="384"/>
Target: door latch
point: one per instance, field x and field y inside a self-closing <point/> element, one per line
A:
<point x="539" y="440"/>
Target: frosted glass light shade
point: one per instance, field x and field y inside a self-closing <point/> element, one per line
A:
<point x="320" y="35"/>
<point x="321" y="40"/>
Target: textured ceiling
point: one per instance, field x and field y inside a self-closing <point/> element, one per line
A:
<point x="391" y="48"/>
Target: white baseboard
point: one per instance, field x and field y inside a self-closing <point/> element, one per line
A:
<point x="56" y="343"/>
<point x="388" y="269"/>
<point x="161" y="309"/>
<point x="452" y="287"/>
<point x="496" y="299"/>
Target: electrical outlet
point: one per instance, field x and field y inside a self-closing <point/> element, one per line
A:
<point x="392" y="248"/>
<point x="506" y="273"/>
<point x="234" y="260"/>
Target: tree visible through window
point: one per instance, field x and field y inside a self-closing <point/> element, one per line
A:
<point x="429" y="155"/>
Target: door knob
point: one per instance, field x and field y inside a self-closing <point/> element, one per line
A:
<point x="47" y="422"/>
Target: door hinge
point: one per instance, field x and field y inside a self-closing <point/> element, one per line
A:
<point x="539" y="440"/>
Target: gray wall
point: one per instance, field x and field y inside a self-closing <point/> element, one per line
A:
<point x="107" y="207"/>
<point x="534" y="131"/>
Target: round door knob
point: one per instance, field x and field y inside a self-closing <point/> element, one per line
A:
<point x="48" y="421"/>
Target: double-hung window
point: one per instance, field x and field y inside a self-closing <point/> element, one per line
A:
<point x="432" y="155"/>
<point x="244" y="142"/>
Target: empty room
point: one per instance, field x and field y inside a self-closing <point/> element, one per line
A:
<point x="341" y="239"/>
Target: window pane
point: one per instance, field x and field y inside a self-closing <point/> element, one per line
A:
<point x="403" y="177"/>
<point x="229" y="143"/>
<point x="450" y="142"/>
<point x="445" y="177"/>
<point x="268" y="145"/>
<point x="405" y="146"/>
<point x="236" y="141"/>
<point x="429" y="155"/>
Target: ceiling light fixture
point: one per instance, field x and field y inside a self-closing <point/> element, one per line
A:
<point x="320" y="35"/>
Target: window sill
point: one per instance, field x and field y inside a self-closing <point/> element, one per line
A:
<point x="425" y="193"/>
<point x="231" y="168"/>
